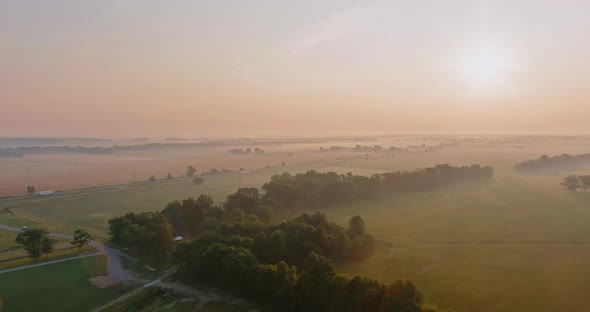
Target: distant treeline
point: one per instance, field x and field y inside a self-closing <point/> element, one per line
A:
<point x="312" y="190"/>
<point x="245" y="151"/>
<point x="18" y="142"/>
<point x="21" y="151"/>
<point x="168" y="144"/>
<point x="555" y="163"/>
<point x="360" y="149"/>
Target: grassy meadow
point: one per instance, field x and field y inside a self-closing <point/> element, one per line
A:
<point x="518" y="243"/>
<point x="507" y="246"/>
<point x="56" y="287"/>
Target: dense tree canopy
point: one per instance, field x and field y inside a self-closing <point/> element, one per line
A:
<point x="313" y="190"/>
<point x="555" y="163"/>
<point x="235" y="248"/>
<point x="35" y="242"/>
<point x="147" y="233"/>
<point x="263" y="266"/>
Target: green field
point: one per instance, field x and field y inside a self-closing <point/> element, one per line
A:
<point x="513" y="245"/>
<point x="56" y="287"/>
<point x="92" y="208"/>
<point x="13" y="255"/>
<point x="516" y="244"/>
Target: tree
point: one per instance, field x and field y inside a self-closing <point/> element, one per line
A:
<point x="198" y="180"/>
<point x="169" y="176"/>
<point x="190" y="171"/>
<point x="246" y="199"/>
<point x="571" y="183"/>
<point x="313" y="282"/>
<point x="81" y="238"/>
<point x="30" y="190"/>
<point x="32" y="240"/>
<point x="585" y="182"/>
<point x="152" y="179"/>
<point x="158" y="241"/>
<point x="47" y="245"/>
<point x="402" y="296"/>
<point x="356" y="227"/>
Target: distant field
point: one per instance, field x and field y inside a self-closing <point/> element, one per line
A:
<point x="91" y="208"/>
<point x="509" y="246"/>
<point x="56" y="287"/>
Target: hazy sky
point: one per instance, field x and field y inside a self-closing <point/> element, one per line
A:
<point x="305" y="67"/>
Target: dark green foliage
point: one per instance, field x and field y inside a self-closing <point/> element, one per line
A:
<point x="246" y="199"/>
<point x="555" y="163"/>
<point x="316" y="288"/>
<point x="30" y="190"/>
<point x="147" y="233"/>
<point x="47" y="245"/>
<point x="81" y="238"/>
<point x="198" y="180"/>
<point x="316" y="190"/>
<point x="192" y="216"/>
<point x="33" y="240"/>
<point x="152" y="179"/>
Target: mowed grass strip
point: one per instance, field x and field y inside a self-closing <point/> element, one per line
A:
<point x="56" y="287"/>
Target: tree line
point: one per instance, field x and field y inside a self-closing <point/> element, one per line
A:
<point x="37" y="242"/>
<point x="313" y="190"/>
<point x="22" y="151"/>
<point x="242" y="151"/>
<point x="287" y="266"/>
<point x="555" y="163"/>
<point x="260" y="262"/>
<point x="574" y="183"/>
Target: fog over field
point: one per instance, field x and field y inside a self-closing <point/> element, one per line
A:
<point x="322" y="156"/>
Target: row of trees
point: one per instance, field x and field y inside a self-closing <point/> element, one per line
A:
<point x="315" y="190"/>
<point x="317" y="287"/>
<point x="242" y="151"/>
<point x="360" y="149"/>
<point x="555" y="163"/>
<point x="574" y="183"/>
<point x="66" y="149"/>
<point x="260" y="262"/>
<point x="37" y="242"/>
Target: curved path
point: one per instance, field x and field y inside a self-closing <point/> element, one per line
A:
<point x="114" y="269"/>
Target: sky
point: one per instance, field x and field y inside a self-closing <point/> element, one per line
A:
<point x="130" y="68"/>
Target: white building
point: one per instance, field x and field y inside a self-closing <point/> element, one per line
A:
<point x="45" y="193"/>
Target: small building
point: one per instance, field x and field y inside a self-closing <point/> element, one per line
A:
<point x="45" y="193"/>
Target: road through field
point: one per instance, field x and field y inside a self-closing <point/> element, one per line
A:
<point x="114" y="269"/>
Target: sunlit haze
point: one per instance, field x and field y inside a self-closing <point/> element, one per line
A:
<point x="234" y="68"/>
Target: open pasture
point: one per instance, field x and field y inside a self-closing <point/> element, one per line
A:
<point x="56" y="287"/>
<point x="511" y="245"/>
<point x="519" y="243"/>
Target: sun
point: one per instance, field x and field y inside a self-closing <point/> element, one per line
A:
<point x="485" y="67"/>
